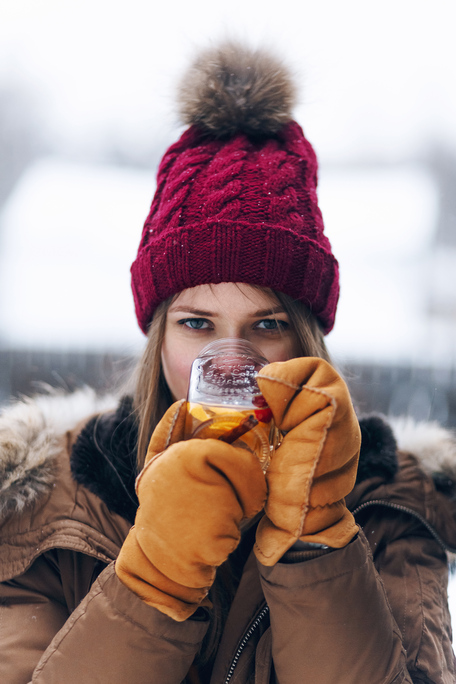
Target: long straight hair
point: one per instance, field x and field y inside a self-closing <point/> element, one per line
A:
<point x="152" y="396"/>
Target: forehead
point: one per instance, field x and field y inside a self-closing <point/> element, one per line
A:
<point x="223" y="296"/>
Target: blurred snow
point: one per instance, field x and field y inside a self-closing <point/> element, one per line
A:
<point x="374" y="88"/>
<point x="70" y="232"/>
<point x="68" y="236"/>
<point x="381" y="222"/>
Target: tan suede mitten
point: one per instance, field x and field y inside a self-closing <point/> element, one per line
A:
<point x="315" y="466"/>
<point x="193" y="496"/>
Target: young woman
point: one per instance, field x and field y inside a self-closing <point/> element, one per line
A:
<point x="332" y="566"/>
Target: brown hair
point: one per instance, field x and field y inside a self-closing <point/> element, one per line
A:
<point x="152" y="396"/>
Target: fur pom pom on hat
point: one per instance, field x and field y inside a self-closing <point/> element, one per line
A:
<point x="231" y="89"/>
<point x="236" y="196"/>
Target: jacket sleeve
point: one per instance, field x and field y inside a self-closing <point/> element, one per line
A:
<point x="330" y="619"/>
<point x="32" y="610"/>
<point x="111" y="636"/>
<point x="414" y="570"/>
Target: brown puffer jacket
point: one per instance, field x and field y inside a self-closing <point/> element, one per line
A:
<point x="373" y="612"/>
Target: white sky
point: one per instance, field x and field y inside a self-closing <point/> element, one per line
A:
<point x="378" y="77"/>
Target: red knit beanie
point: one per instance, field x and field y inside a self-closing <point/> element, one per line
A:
<point x="236" y="196"/>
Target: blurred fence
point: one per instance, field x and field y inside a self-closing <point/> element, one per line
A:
<point x="26" y="372"/>
<point x="421" y="393"/>
<point x="400" y="390"/>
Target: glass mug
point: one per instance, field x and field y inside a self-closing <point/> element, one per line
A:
<point x="224" y="401"/>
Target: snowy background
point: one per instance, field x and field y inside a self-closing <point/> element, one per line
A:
<point x="86" y="110"/>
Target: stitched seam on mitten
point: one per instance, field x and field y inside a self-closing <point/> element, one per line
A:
<point x="168" y="439"/>
<point x="306" y="504"/>
<point x="282" y="382"/>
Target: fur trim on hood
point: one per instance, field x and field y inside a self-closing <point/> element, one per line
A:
<point x="103" y="457"/>
<point x="31" y="433"/>
<point x="435" y="445"/>
<point x="435" y="448"/>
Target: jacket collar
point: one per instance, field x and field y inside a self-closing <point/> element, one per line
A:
<point x="32" y="433"/>
<point x="103" y="457"/>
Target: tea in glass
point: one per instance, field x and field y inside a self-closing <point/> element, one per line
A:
<point x="225" y="402"/>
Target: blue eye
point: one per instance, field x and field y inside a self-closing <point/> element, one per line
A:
<point x="272" y="324"/>
<point x="195" y="323"/>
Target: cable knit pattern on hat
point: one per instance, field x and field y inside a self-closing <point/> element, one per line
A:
<point x="237" y="209"/>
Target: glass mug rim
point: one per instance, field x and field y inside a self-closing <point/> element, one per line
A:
<point x="228" y="405"/>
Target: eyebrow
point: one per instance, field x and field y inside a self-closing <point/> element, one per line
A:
<point x="199" y="312"/>
<point x="270" y="311"/>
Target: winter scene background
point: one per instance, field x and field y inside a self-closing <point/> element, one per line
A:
<point x="86" y="111"/>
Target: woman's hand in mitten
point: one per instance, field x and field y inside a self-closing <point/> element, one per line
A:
<point x="315" y="466"/>
<point x="193" y="496"/>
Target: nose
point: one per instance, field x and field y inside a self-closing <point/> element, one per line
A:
<point x="233" y="330"/>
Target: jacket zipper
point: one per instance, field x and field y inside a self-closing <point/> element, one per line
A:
<point x="404" y="509"/>
<point x="253" y="626"/>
